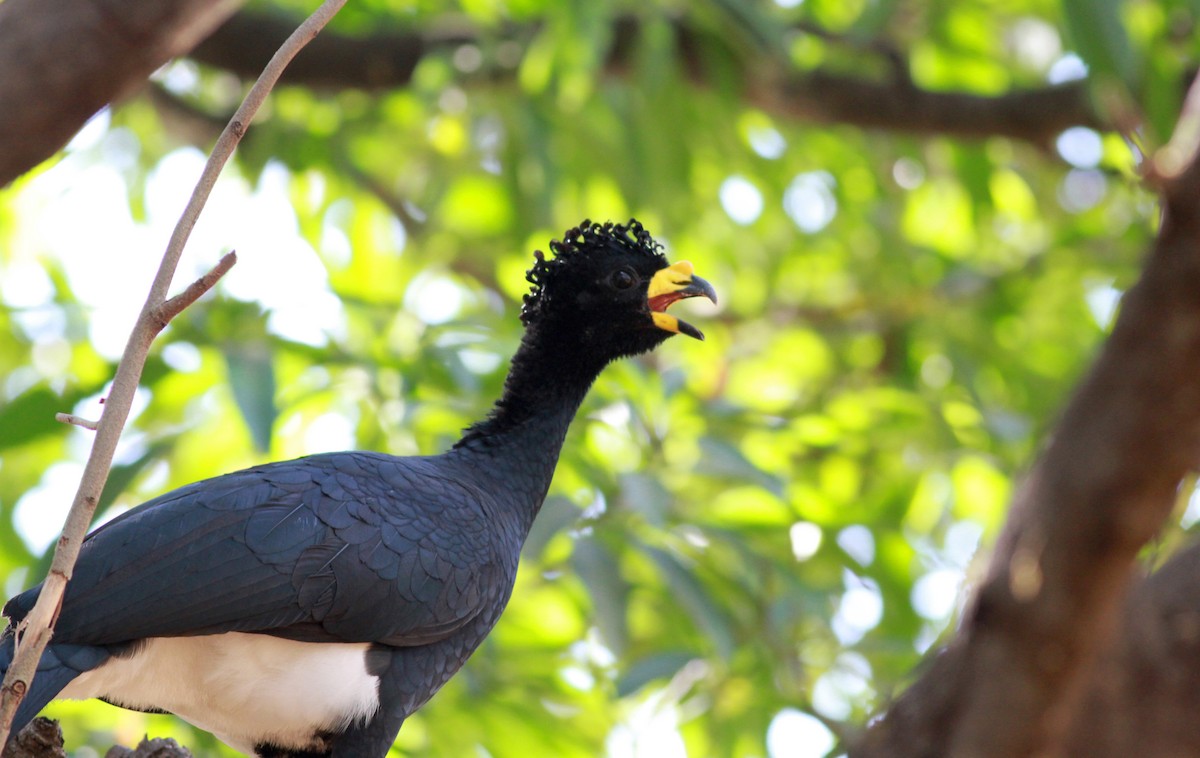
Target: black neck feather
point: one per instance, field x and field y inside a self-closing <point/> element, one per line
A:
<point x="547" y="381"/>
<point x="516" y="448"/>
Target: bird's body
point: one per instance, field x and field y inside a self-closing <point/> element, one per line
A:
<point x="308" y="607"/>
<point x="345" y="575"/>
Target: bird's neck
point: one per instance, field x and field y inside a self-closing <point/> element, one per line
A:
<point x="521" y="439"/>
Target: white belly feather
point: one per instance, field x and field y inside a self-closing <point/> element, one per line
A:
<point x="244" y="688"/>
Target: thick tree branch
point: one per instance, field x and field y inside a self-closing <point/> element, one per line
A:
<point x="41" y="739"/>
<point x="63" y="60"/>
<point x="66" y="59"/>
<point x="333" y="61"/>
<point x="1011" y="682"/>
<point x="34" y="631"/>
<point x="1037" y="115"/>
<point x="160" y="747"/>
<point x="387" y="60"/>
<point x="1143" y="696"/>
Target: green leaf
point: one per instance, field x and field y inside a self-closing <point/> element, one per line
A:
<point x="651" y="668"/>
<point x="645" y="494"/>
<point x="1098" y="34"/>
<point x="30" y="416"/>
<point x="706" y="612"/>
<point x="599" y="570"/>
<point x="556" y="515"/>
<point x="252" y="379"/>
<point x="722" y="458"/>
<point x="121" y="476"/>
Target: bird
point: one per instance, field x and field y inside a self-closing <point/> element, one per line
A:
<point x="308" y="607"/>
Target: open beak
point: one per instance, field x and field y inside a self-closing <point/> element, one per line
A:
<point x="672" y="283"/>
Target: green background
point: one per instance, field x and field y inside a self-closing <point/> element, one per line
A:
<point x="779" y="520"/>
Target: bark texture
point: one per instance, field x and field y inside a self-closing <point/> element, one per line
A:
<point x="40" y="739"/>
<point x="889" y="103"/>
<point x="64" y="60"/>
<point x="1045" y="634"/>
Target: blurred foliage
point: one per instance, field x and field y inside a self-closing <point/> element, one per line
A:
<point x="772" y="523"/>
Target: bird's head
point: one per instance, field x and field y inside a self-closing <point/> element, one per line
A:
<point x="602" y="296"/>
<point x="607" y="289"/>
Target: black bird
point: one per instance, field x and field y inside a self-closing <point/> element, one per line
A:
<point x="308" y="607"/>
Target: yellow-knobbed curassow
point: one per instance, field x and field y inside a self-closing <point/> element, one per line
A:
<point x="308" y="607"/>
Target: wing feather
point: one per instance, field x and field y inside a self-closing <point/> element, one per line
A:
<point x="340" y="547"/>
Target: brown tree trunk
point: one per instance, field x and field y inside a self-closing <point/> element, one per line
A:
<point x="1021" y="677"/>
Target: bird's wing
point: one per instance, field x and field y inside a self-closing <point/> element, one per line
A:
<point x="349" y="547"/>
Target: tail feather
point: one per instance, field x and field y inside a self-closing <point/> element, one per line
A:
<point x="59" y="665"/>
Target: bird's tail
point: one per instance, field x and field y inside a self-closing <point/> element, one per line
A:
<point x="59" y="665"/>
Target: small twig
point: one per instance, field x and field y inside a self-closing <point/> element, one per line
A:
<point x="394" y="203"/>
<point x="71" y="418"/>
<point x="173" y="307"/>
<point x="162" y="316"/>
<point x="36" y="628"/>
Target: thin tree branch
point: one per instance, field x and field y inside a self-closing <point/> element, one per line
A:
<point x="182" y="119"/>
<point x="71" y="418"/>
<point x="1012" y="680"/>
<point x="388" y="59"/>
<point x="34" y="632"/>
<point x="173" y="307"/>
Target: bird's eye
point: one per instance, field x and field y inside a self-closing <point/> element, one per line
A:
<point x="623" y="279"/>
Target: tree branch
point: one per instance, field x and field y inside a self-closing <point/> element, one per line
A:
<point x="34" y="632"/>
<point x="66" y="59"/>
<point x="1037" y="116"/>
<point x="70" y="418"/>
<point x="1143" y="695"/>
<point x="173" y="307"/>
<point x="160" y="747"/>
<point x="1012" y="680"/>
<point x="41" y="739"/>
<point x="388" y="59"/>
<point x="334" y="61"/>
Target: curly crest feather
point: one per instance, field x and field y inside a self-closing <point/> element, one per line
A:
<point x="588" y="237"/>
